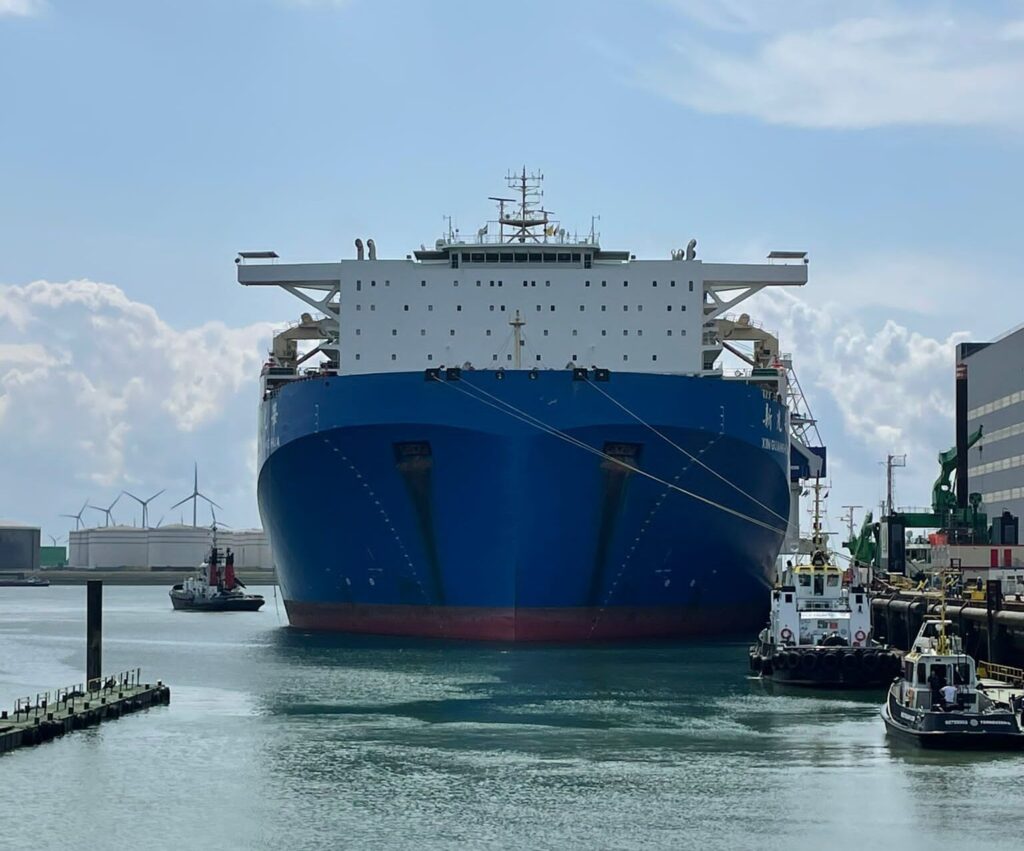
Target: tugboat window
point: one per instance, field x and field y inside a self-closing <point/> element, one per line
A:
<point x="805" y="580"/>
<point x="819" y="584"/>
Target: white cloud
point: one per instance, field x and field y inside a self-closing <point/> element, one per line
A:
<point x="21" y="8"/>
<point x="819" y="66"/>
<point x="97" y="393"/>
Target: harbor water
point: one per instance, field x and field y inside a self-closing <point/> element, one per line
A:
<point x="278" y="739"/>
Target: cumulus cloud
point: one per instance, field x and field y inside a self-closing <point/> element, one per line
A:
<point x="97" y="393"/>
<point x="837" y="65"/>
<point x="876" y="388"/>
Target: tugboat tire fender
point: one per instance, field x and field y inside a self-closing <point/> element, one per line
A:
<point x="808" y="661"/>
<point x="871" y="661"/>
<point x="830" y="661"/>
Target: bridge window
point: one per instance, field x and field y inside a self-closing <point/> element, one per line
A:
<point x="455" y="261"/>
<point x="550" y="257"/>
<point x="520" y="257"/>
<point x="492" y="257"/>
<point x="586" y="261"/>
<point x="478" y="257"/>
<point x="564" y="257"/>
<point x="535" y="258"/>
<point x="506" y="257"/>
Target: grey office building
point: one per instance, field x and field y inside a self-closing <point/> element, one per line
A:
<point x="995" y="400"/>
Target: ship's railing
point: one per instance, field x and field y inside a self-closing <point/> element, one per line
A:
<point x="491" y="239"/>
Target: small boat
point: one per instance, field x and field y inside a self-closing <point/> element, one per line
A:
<point x="937" y="702"/>
<point x="819" y="628"/>
<point x="20" y="580"/>
<point x="215" y="588"/>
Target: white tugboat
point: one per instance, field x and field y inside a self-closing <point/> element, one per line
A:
<point x="215" y="588"/>
<point x="819" y="629"/>
<point x="937" y="701"/>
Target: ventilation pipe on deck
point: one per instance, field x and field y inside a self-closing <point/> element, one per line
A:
<point x="371" y="249"/>
<point x="359" y="249"/>
<point x="691" y="249"/>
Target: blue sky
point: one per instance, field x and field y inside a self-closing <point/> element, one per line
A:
<point x="143" y="144"/>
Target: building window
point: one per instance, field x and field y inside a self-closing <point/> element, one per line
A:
<point x="359" y="307"/>
<point x="406" y="308"/>
<point x="458" y="308"/>
<point x="552" y="308"/>
<point x="654" y="283"/>
<point x="394" y="357"/>
<point x="373" y="283"/>
<point x="538" y="308"/>
<point x="625" y="308"/>
<point x="668" y="308"/>
<point x="604" y="333"/>
<point x="586" y="283"/>
<point x="604" y="307"/>
<point x="538" y="357"/>
<point x="430" y="307"/>
<point x="671" y="283"/>
<point x="423" y="332"/>
<point x="359" y="331"/>
<point x="625" y="357"/>
<point x="683" y="307"/>
<point x="691" y="286"/>
<point x="625" y="283"/>
<point x="494" y="357"/>
<point x="604" y="283"/>
<point x="545" y="332"/>
<point x="373" y="307"/>
<point x="423" y="283"/>
<point x="668" y="333"/>
<point x="359" y="286"/>
<point x="492" y="308"/>
<point x="625" y="333"/>
<point x="430" y="357"/>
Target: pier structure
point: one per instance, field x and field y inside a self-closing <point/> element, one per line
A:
<point x="51" y="714"/>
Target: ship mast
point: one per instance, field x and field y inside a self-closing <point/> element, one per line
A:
<point x="530" y="214"/>
<point x="517" y="323"/>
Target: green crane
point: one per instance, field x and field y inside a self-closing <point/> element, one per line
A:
<point x="943" y="498"/>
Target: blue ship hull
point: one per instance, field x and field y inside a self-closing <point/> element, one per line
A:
<point x="401" y="505"/>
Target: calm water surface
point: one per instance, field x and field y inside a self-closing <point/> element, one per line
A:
<point x="277" y="739"/>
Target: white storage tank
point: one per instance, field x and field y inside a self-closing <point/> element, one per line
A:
<point x="115" y="547"/>
<point x="251" y="549"/>
<point x="78" y="548"/>
<point x="178" y="546"/>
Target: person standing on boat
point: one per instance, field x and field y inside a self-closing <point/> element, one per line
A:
<point x="948" y="697"/>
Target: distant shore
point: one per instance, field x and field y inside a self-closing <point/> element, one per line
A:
<point x="64" y="576"/>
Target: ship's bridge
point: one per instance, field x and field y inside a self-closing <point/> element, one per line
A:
<point x="521" y="293"/>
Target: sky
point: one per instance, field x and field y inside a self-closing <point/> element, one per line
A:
<point x="143" y="144"/>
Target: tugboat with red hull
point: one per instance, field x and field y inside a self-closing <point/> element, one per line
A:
<point x="215" y="588"/>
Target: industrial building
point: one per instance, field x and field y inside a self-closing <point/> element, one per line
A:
<point x="19" y="546"/>
<point x="174" y="546"/>
<point x="995" y="401"/>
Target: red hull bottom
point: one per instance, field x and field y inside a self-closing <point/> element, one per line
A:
<point x="511" y="624"/>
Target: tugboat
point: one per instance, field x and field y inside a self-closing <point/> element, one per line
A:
<point x="819" y="629"/>
<point x="19" y="580"/>
<point x="937" y="702"/>
<point x="215" y="588"/>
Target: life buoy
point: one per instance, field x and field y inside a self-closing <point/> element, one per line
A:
<point x="860" y="635"/>
<point x="786" y="633"/>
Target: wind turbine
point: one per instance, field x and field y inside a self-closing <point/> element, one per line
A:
<point x="145" y="505"/>
<point x="55" y="538"/>
<point x="195" y="496"/>
<point x="107" y="510"/>
<point x="78" y="517"/>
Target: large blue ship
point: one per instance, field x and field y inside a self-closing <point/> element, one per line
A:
<point x="522" y="436"/>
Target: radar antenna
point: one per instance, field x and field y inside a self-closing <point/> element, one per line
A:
<point x="530" y="214"/>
